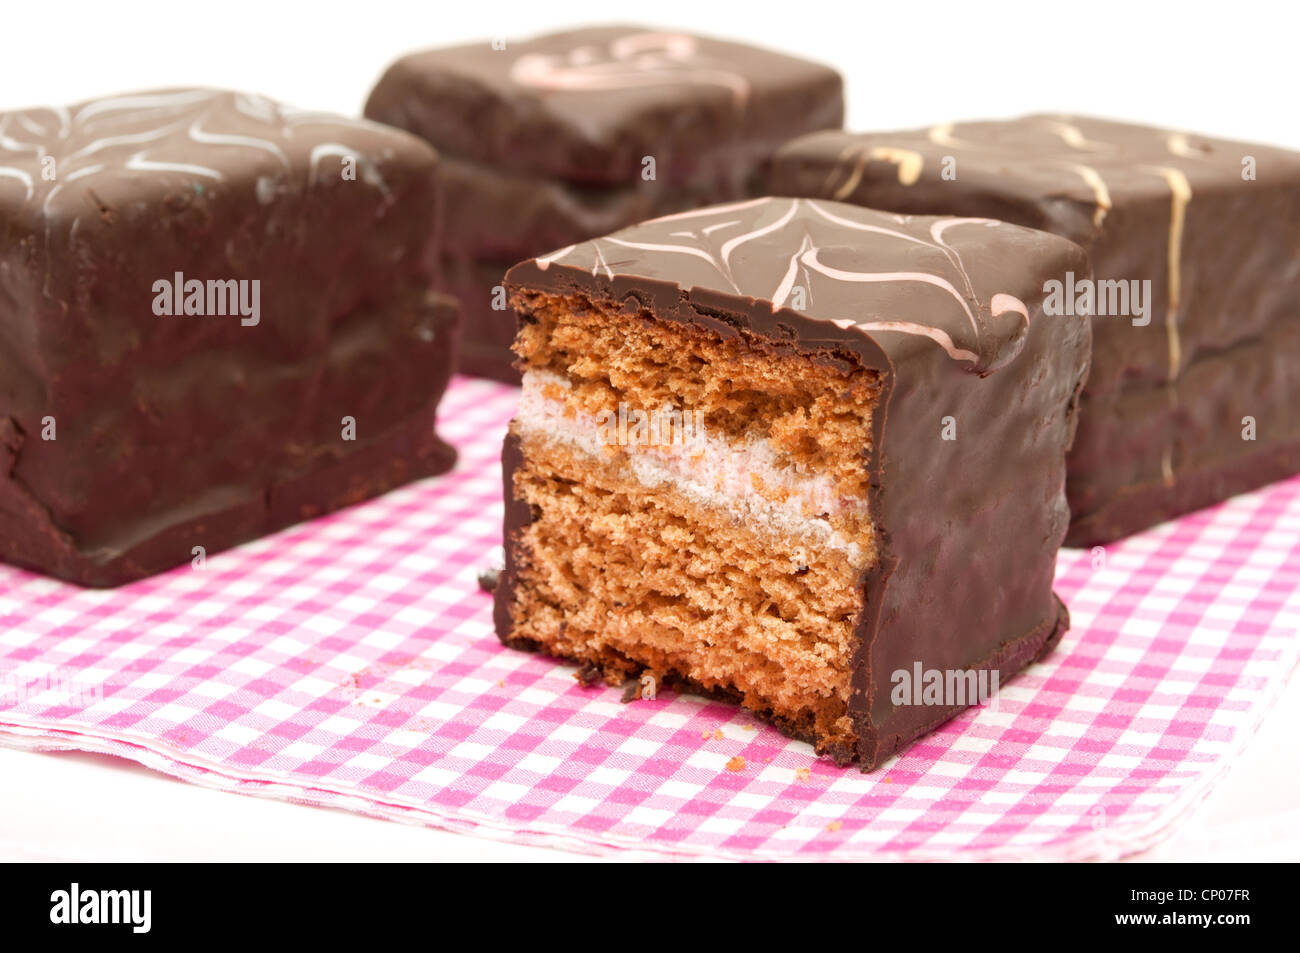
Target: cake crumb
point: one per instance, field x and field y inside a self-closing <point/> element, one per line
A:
<point x="834" y="825"/>
<point x="736" y="764"/>
<point x="750" y="727"/>
<point x="501" y="683"/>
<point x="802" y="775"/>
<point x="588" y="675"/>
<point x="718" y="735"/>
<point x="706" y="734"/>
<point x="889" y="780"/>
<point x="489" y="576"/>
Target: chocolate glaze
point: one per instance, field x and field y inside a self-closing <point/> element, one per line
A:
<point x="197" y="430"/>
<point x="1159" y="434"/>
<point x="587" y="105"/>
<point x="487" y="333"/>
<point x="967" y="529"/>
<point x="491" y="215"/>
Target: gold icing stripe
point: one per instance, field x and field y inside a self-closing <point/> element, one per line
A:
<point x="1073" y="136"/>
<point x="1180" y="194"/>
<point x="909" y="165"/>
<point x="1180" y="191"/>
<point x="941" y="135"/>
<point x="1099" y="190"/>
<point x="1179" y="145"/>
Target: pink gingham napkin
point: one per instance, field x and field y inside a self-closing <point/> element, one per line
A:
<point x="351" y="662"/>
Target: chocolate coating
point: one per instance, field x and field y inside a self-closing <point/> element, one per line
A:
<point x="486" y="331"/>
<point x="183" y="430"/>
<point x="949" y="312"/>
<point x="1160" y="432"/>
<point x="587" y="105"/>
<point x="490" y="215"/>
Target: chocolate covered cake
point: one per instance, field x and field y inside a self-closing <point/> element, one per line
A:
<point x="215" y="321"/>
<point x="790" y="452"/>
<point x="561" y="138"/>
<point x="1196" y="300"/>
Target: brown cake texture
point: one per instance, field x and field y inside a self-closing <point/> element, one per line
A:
<point x="772" y="615"/>
<point x="702" y="486"/>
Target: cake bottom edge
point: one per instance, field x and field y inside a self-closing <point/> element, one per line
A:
<point x="411" y="450"/>
<point x="872" y="748"/>
<point x="878" y="744"/>
<point x="1137" y="508"/>
<point x="613" y="673"/>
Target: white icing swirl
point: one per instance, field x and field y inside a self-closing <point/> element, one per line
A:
<point x="635" y="60"/>
<point x="806" y="259"/>
<point x="168" y="134"/>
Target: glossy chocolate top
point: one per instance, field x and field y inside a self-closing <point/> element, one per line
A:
<point x="590" y="105"/>
<point x="908" y="282"/>
<point x="1059" y="172"/>
<point x="59" y="163"/>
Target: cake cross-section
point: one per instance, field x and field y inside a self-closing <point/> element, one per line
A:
<point x="798" y="454"/>
<point x="215" y="321"/>
<point x="1195" y="244"/>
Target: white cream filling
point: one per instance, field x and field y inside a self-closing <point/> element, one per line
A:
<point x="707" y="470"/>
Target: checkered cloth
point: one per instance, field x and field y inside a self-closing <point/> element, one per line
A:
<point x="351" y="662"/>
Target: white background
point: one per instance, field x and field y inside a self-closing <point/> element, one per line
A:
<point x="1225" y="68"/>
<point x="1220" y="68"/>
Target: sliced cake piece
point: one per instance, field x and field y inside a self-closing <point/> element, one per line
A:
<point x="795" y="453"/>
